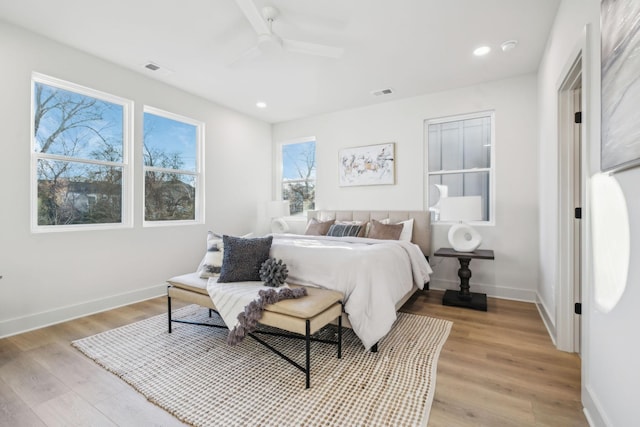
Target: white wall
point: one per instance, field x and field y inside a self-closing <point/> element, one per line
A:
<point x="609" y="342"/>
<point x="514" y="238"/>
<point x="55" y="276"/>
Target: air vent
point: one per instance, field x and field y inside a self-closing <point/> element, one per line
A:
<point x="382" y="92"/>
<point x="156" y="68"/>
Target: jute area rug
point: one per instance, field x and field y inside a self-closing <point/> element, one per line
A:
<point x="193" y="374"/>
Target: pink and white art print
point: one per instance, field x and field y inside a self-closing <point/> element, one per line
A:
<point x="368" y="165"/>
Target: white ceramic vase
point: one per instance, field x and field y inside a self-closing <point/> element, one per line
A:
<point x="464" y="238"/>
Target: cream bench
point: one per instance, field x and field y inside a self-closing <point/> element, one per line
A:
<point x="302" y="316"/>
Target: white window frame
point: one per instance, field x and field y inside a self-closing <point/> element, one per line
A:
<point x="491" y="169"/>
<point x="279" y="171"/>
<point x="127" y="157"/>
<point x="199" y="172"/>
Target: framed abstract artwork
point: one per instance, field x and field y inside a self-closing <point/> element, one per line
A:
<point x="620" y="47"/>
<point x="367" y="165"/>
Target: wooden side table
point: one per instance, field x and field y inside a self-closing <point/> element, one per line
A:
<point x="464" y="298"/>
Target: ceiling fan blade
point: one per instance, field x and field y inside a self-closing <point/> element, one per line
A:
<point x="254" y="17"/>
<point x="247" y="55"/>
<point x="312" y="48"/>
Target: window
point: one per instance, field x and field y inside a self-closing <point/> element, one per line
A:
<point x="172" y="168"/>
<point x="80" y="157"/>
<point x="460" y="167"/>
<point x="298" y="184"/>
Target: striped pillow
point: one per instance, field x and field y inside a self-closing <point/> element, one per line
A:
<point x="344" y="230"/>
<point x="212" y="261"/>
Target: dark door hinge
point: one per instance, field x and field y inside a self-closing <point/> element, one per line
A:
<point x="577" y="213"/>
<point x="577" y="118"/>
<point x="578" y="308"/>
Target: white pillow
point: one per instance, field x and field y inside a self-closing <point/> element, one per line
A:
<point x="354" y="222"/>
<point x="407" y="228"/>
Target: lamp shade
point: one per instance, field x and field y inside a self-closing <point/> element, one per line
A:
<point x="464" y="238"/>
<point x="276" y="210"/>
<point x="466" y="208"/>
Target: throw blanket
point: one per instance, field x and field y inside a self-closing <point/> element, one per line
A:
<point x="373" y="275"/>
<point x="240" y="304"/>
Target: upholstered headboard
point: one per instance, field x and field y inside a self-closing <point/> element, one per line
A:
<point x="421" y="222"/>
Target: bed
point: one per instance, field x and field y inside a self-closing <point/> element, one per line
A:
<point x="376" y="276"/>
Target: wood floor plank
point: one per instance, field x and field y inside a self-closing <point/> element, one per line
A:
<point x="32" y="339"/>
<point x="489" y="407"/>
<point x="130" y="409"/>
<point x="78" y="372"/>
<point x="31" y="381"/>
<point x="69" y="409"/>
<point x="14" y="411"/>
<point x="8" y="351"/>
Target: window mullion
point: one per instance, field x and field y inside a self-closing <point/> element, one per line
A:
<point x="78" y="160"/>
<point x="169" y="170"/>
<point x="449" y="172"/>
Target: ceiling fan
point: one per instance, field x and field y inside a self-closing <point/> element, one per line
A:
<point x="269" y="42"/>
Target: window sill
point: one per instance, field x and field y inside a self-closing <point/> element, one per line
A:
<point x="471" y="223"/>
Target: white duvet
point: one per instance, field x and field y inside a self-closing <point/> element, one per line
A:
<point x="373" y="274"/>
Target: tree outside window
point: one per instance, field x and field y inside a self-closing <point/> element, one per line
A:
<point x="171" y="166"/>
<point x="299" y="175"/>
<point x="79" y="151"/>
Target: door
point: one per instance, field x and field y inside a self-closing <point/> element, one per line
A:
<point x="577" y="203"/>
<point x="570" y="189"/>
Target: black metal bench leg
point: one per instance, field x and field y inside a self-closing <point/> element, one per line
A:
<point x="210" y="312"/>
<point x="169" y="311"/>
<point x="374" y="348"/>
<point x="308" y="347"/>
<point x="340" y="336"/>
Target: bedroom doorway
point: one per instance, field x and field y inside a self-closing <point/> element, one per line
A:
<point x="571" y="197"/>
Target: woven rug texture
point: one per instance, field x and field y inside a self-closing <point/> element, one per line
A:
<point x="193" y="374"/>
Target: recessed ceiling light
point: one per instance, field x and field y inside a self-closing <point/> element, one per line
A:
<point x="261" y="104"/>
<point x="482" y="50"/>
<point x="508" y="45"/>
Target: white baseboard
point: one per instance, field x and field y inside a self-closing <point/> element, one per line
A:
<point x="501" y="292"/>
<point x="593" y="410"/>
<point x="546" y="319"/>
<point x="18" y="325"/>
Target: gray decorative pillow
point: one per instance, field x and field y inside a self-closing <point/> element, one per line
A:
<point x="243" y="257"/>
<point x="342" y="230"/>
<point x="379" y="230"/>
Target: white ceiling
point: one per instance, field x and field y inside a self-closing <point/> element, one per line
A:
<point x="412" y="46"/>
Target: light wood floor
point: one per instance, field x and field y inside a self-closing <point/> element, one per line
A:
<point x="497" y="368"/>
<point x="500" y="368"/>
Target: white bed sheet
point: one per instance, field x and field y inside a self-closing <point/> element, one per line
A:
<point x="373" y="274"/>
